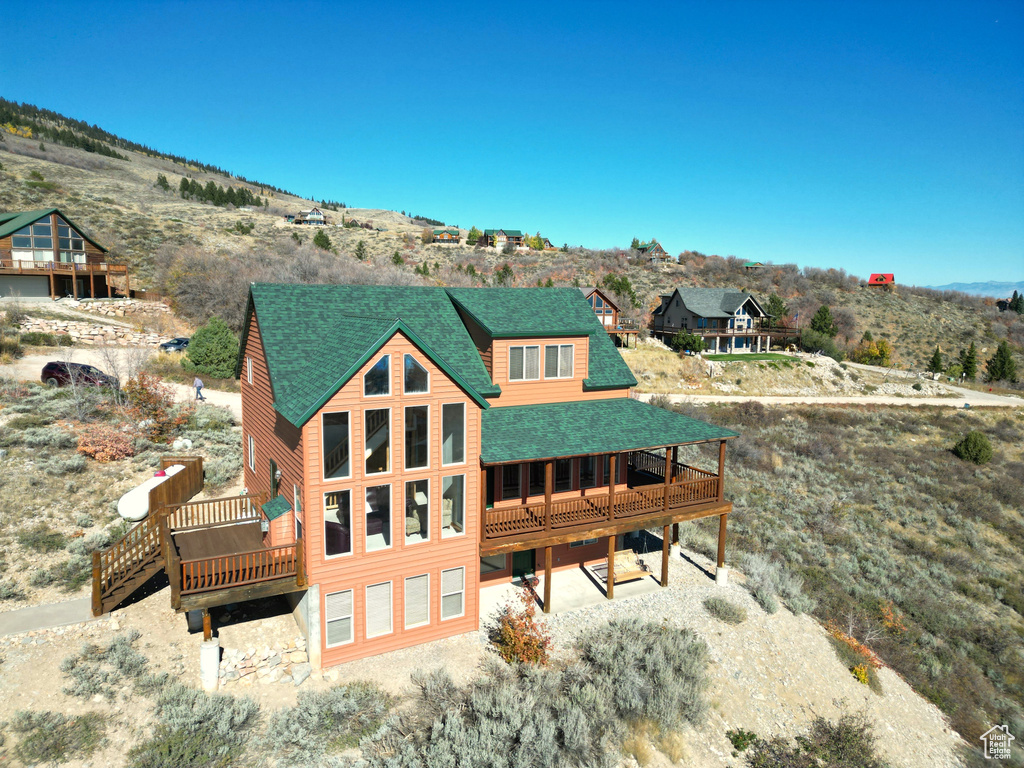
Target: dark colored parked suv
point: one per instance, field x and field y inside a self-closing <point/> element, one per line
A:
<point x="175" y="345"/>
<point x="58" y="374"/>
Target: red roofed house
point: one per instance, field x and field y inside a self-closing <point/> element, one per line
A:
<point x="882" y="279"/>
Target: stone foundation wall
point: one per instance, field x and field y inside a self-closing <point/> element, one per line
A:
<point x="120" y="307"/>
<point x="89" y="333"/>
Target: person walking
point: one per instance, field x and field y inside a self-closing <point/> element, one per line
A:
<point x="198" y="384"/>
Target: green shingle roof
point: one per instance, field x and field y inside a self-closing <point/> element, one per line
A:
<point x="11" y="222"/>
<point x="317" y="336"/>
<point x="556" y="312"/>
<point x="531" y="432"/>
<point x="276" y="507"/>
<point x="508" y="232"/>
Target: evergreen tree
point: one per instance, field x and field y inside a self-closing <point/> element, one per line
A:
<point x="687" y="342"/>
<point x="183" y="187"/>
<point x="473" y="236"/>
<point x="634" y="244"/>
<point x="505" y="276"/>
<point x="823" y="323"/>
<point x="322" y="241"/>
<point x="776" y="309"/>
<point x="969" y="362"/>
<point x="1001" y="367"/>
<point x="867" y="336"/>
<point x="621" y="285"/>
<point x="360" y="250"/>
<point x="1017" y="303"/>
<point x="213" y="350"/>
<point x="161" y="181"/>
<point x="935" y="364"/>
<point x="397" y="259"/>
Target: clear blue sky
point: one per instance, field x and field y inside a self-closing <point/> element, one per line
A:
<point x="870" y="136"/>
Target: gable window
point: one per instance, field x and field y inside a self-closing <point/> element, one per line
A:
<point x="248" y="369"/>
<point x="378" y="609"/>
<point x="588" y="472"/>
<point x="336" y="442"/>
<point x="252" y="453"/>
<point x="417" y="511"/>
<point x="417" y="427"/>
<point x="453" y="433"/>
<point x="563" y="475"/>
<point x="558" y="361"/>
<point x="377" y="380"/>
<point x="377" y="441"/>
<point x="338" y="617"/>
<point x="378" y="517"/>
<point x="417" y="380"/>
<point x="417" y="601"/>
<point x="338" y="523"/>
<point x="510" y="481"/>
<point x="523" y="363"/>
<point x="453" y="505"/>
<point x="453" y="589"/>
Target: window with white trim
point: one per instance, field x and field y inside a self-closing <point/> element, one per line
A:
<point x="248" y="369"/>
<point x="336" y="438"/>
<point x="338" y="617"/>
<point x="453" y="505"/>
<point x="584" y="543"/>
<point x="558" y="361"/>
<point x="453" y="433"/>
<point x="378" y="517"/>
<point x="377" y="380"/>
<point x="453" y="593"/>
<point x="378" y="609"/>
<point x="252" y="453"/>
<point x="417" y="378"/>
<point x="417" y="601"/>
<point x="523" y="363"/>
<point x="417" y="429"/>
<point x="417" y="511"/>
<point x="377" y="440"/>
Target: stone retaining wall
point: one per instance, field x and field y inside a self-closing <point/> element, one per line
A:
<point x="286" y="663"/>
<point x="90" y="333"/>
<point x="120" y="307"/>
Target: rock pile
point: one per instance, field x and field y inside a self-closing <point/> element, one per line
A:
<point x="270" y="664"/>
<point x="89" y="333"/>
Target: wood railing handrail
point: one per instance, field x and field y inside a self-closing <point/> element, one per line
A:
<point x="259" y="551"/>
<point x="240" y="569"/>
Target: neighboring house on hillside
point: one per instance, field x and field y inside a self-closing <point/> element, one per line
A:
<point x="497" y="238"/>
<point x="420" y="442"/>
<point x="750" y="266"/>
<point x="653" y="251"/>
<point x="446" y="236"/>
<point x="1003" y="305"/>
<point x="607" y="312"/>
<point x="547" y="245"/>
<point x="729" y="321"/>
<point x="44" y="253"/>
<point x="314" y="216"/>
<point x="882" y="279"/>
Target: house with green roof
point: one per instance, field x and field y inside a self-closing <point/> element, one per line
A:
<point x="45" y="254"/>
<point x="419" y="444"/>
<point x="449" y="235"/>
<point x="653" y="251"/>
<point x="730" y="321"/>
<point x="499" y="238"/>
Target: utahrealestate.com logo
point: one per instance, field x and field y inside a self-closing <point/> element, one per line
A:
<point x="997" y="742"/>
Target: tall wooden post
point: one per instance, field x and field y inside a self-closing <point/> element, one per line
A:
<point x="610" y="585"/>
<point x="721" y="470"/>
<point x="483" y="503"/>
<point x="549" y="471"/>
<point x="675" y="460"/>
<point x="92" y="282"/>
<point x="53" y="294"/>
<point x="74" y="279"/>
<point x="611" y="487"/>
<point x="721" y="539"/>
<point x="97" y="598"/>
<point x="664" y="557"/>
<point x="207" y="625"/>
<point x="547" y="579"/>
<point x="668" y="479"/>
<point x="127" y="285"/>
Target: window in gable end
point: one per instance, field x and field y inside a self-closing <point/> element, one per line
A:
<point x="377" y="380"/>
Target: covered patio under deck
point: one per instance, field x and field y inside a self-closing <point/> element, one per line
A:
<point x="642" y="484"/>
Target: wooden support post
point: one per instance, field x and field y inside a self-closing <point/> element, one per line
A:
<point x="721" y="539"/>
<point x="610" y="585"/>
<point x="547" y="579"/>
<point x="207" y="625"/>
<point x="675" y="460"/>
<point x="74" y="280"/>
<point x="92" y="282"/>
<point x="127" y="285"/>
<point x="483" y="503"/>
<point x="664" y="557"/>
<point x="300" y="565"/>
<point x="675" y="533"/>
<point x="97" y="601"/>
<point x="549" y="472"/>
<point x="611" y="486"/>
<point x="721" y="470"/>
<point x="53" y="294"/>
<point x="668" y="479"/>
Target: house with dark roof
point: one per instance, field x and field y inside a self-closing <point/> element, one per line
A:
<point x="43" y="253"/>
<point x="447" y="236"/>
<point x="729" y="321"/>
<point x="313" y="216"/>
<point x="417" y="444"/>
<point x="498" y="238"/>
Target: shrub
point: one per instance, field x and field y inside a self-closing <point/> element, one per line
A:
<point x="213" y="350"/>
<point x="9" y="590"/>
<point x="1001" y="366"/>
<point x="104" y="671"/>
<point x="52" y="737"/>
<point x="28" y="421"/>
<point x="151" y="402"/>
<point x="849" y="743"/>
<point x="649" y="671"/>
<point x="813" y="341"/>
<point x="687" y="342"/>
<point x="857" y="657"/>
<point x="517" y="635"/>
<point x="104" y="443"/>
<point x="974" y="447"/>
<point x="62" y="465"/>
<point x="767" y="579"/>
<point x="917" y="386"/>
<point x="41" y="437"/>
<point x="41" y="538"/>
<point x="725" y="611"/>
<point x="323" y="722"/>
<point x="741" y="739"/>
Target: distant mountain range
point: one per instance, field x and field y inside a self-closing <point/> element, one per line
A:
<point x="993" y="289"/>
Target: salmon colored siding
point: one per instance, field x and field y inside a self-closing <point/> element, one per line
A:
<point x="482" y="340"/>
<point x="362" y="568"/>
<point x="274" y="436"/>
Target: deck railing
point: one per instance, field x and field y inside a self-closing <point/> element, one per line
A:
<point x="114" y="566"/>
<point x="507" y="522"/>
<point x="23" y="265"/>
<point x="237" y="570"/>
<point x="654" y="464"/>
<point x="231" y="509"/>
